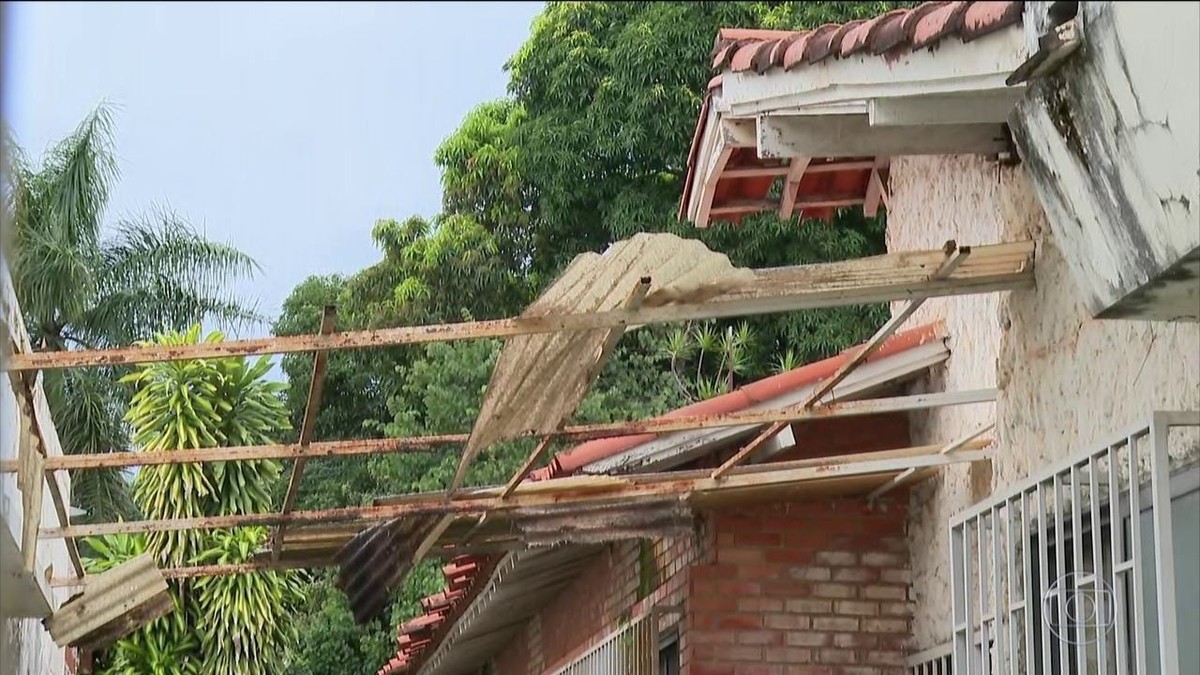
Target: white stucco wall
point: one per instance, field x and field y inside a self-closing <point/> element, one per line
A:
<point x="1067" y="381"/>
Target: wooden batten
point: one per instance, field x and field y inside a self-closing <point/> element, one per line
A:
<point x="112" y="604"/>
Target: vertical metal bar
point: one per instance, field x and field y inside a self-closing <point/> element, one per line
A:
<point x="1010" y="545"/>
<point x="985" y="663"/>
<point x="1077" y="577"/>
<point x="1117" y="532"/>
<point x="1100" y="588"/>
<point x="1043" y="569"/>
<point x="999" y="608"/>
<point x="1135" y="536"/>
<point x="957" y="613"/>
<point x="1060" y="564"/>
<point x="1027" y="591"/>
<point x="1164" y="547"/>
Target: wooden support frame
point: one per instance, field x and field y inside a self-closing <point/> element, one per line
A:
<point x="947" y="449"/>
<point x="312" y="408"/>
<point x="884" y="278"/>
<point x="791" y="183"/>
<point x="585" y="432"/>
<point x="463" y="503"/>
<point x="954" y="257"/>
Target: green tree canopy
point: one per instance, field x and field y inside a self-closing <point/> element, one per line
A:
<point x="80" y="287"/>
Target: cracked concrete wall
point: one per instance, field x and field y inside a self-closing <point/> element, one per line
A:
<point x="1067" y="382"/>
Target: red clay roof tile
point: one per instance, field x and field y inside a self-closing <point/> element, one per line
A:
<point x="741" y="50"/>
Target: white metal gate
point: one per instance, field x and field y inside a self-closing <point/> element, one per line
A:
<point x="1054" y="577"/>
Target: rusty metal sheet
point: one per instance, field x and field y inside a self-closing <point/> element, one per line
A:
<point x="539" y="380"/>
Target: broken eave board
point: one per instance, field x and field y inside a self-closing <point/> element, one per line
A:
<point x="883" y="278"/>
<point x="539" y="380"/>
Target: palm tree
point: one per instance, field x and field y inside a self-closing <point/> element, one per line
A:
<point x="80" y="289"/>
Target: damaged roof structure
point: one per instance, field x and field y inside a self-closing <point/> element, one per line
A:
<point x="800" y="123"/>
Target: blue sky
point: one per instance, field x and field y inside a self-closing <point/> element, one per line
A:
<point x="285" y="129"/>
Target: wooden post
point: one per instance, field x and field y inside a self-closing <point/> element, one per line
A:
<point x="312" y="409"/>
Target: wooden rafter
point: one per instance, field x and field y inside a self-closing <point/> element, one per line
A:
<point x="583" y="432"/>
<point x="791" y="183"/>
<point x="312" y="409"/>
<point x="468" y="501"/>
<point x="954" y="257"/>
<point x="949" y="448"/>
<point x="883" y="278"/>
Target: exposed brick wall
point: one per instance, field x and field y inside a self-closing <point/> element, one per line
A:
<point x="816" y="588"/>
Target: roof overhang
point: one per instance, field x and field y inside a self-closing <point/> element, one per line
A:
<point x="806" y="138"/>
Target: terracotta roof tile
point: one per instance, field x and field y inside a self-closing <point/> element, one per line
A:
<point x="741" y="50"/>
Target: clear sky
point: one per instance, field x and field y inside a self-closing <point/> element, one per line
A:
<point x="286" y="129"/>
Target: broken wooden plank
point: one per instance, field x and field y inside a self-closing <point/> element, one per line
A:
<point x="526" y="467"/>
<point x="30" y="479"/>
<point x="883" y="278"/>
<point x="312" y="409"/>
<point x="431" y="537"/>
<point x="766" y="435"/>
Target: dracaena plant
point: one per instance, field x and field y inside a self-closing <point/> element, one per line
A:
<point x="234" y="625"/>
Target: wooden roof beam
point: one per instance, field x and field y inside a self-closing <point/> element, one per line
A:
<point x="474" y="502"/>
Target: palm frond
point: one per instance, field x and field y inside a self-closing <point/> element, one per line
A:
<point x="85" y="170"/>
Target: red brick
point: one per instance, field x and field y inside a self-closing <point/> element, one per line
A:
<point x="833" y="591"/>
<point x="885" y="626"/>
<point x="808" y="540"/>
<point x="895" y="608"/>
<point x="880" y="559"/>
<point x="787" y="655"/>
<point x="835" y="623"/>
<point x="897" y="593"/>
<point x="757" y="669"/>
<point x="740" y="556"/>
<point x="710" y="669"/>
<point x="789" y="556"/>
<point x="866" y="670"/>
<point x="760" y="605"/>
<point x="806" y="639"/>
<point x="713" y="603"/>
<point x="757" y="539"/>
<point x="714" y="637"/>
<point x="713" y="572"/>
<point x="889" y="658"/>
<point x="835" y="656"/>
<point x="759" y="637"/>
<point x="855" y="640"/>
<point x="806" y="606"/>
<point x="856" y="608"/>
<point x="837" y="558"/>
<point x="739" y="588"/>
<point x="742" y="653"/>
<point x="809" y="573"/>
<point x="808" y="670"/>
<point x="787" y="621"/>
<point x="758" y="572"/>
<point x="735" y="621"/>
<point x="855" y="574"/>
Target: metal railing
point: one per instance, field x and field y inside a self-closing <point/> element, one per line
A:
<point x="934" y="661"/>
<point x="632" y="649"/>
<point x="1063" y="573"/>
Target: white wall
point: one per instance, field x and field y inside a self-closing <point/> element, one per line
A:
<point x="1067" y="381"/>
